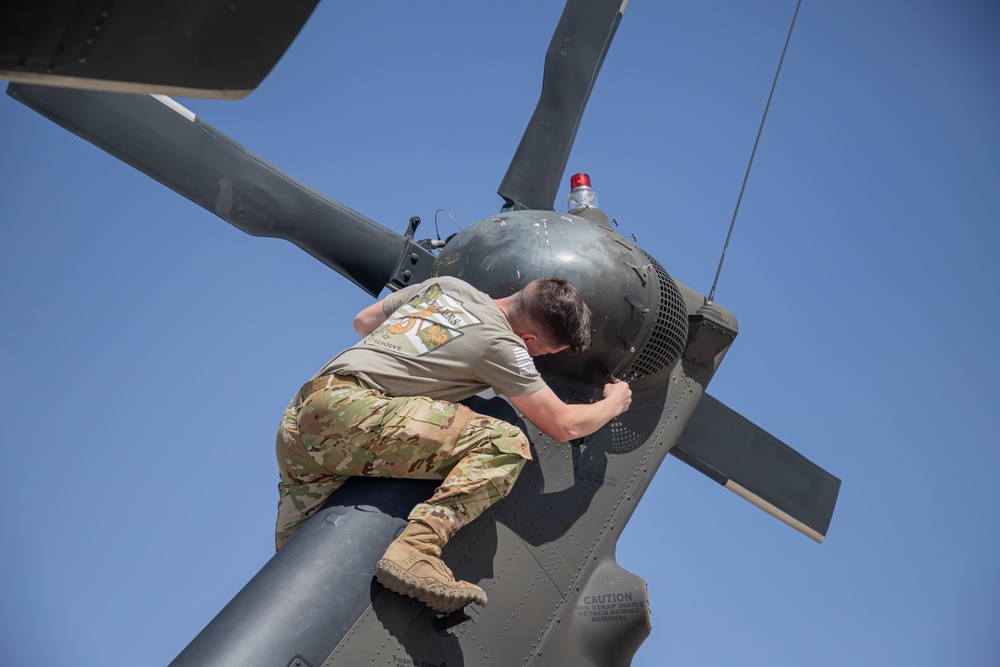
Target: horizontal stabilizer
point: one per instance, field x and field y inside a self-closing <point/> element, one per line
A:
<point x="758" y="467"/>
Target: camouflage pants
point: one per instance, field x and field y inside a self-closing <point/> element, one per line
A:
<point x="342" y="430"/>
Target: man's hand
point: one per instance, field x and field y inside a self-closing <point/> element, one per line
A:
<point x="618" y="394"/>
<point x="564" y="422"/>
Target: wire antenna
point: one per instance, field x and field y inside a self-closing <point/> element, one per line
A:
<point x="760" y="130"/>
<point x="436" y="230"/>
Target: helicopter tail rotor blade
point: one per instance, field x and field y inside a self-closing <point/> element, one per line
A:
<point x="574" y="58"/>
<point x="193" y="48"/>
<point x="759" y="468"/>
<point x="167" y="142"/>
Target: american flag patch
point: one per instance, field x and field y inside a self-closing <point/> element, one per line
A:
<point x="525" y="365"/>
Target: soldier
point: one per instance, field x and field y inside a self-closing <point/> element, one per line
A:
<point x="387" y="407"/>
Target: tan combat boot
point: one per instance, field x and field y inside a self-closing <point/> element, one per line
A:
<point x="412" y="566"/>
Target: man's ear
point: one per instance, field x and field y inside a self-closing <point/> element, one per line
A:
<point x="525" y="334"/>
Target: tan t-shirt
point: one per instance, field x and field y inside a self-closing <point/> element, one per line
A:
<point x="442" y="339"/>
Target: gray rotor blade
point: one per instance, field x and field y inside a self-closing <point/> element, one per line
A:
<point x="574" y="58"/>
<point x="196" y="48"/>
<point x="758" y="467"/>
<point x="167" y="142"/>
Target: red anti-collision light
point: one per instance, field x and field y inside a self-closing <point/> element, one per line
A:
<point x="579" y="179"/>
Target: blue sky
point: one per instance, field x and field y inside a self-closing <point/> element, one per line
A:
<point x="148" y="348"/>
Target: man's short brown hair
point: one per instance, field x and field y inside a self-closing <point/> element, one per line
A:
<point x="556" y="308"/>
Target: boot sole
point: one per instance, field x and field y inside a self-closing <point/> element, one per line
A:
<point x="442" y="599"/>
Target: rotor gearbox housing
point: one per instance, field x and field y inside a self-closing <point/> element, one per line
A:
<point x="640" y="323"/>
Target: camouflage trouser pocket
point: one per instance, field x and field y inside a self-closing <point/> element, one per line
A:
<point x="419" y="437"/>
<point x="342" y="411"/>
<point x="335" y="425"/>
